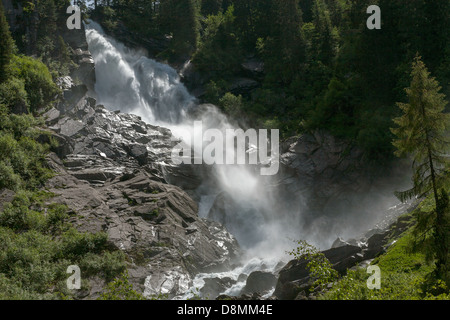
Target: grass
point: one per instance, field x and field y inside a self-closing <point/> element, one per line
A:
<point x="406" y="273"/>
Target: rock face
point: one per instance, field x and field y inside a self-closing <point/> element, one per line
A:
<point x="85" y="72"/>
<point x="259" y="282"/>
<point x="113" y="171"/>
<point x="214" y="286"/>
<point x="330" y="180"/>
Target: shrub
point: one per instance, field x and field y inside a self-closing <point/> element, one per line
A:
<point x="121" y="289"/>
<point x="231" y="104"/>
<point x="319" y="267"/>
<point x="38" y="81"/>
<point x="76" y="244"/>
<point x="14" y="95"/>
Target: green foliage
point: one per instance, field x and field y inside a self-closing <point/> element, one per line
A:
<point x="320" y="269"/>
<point x="109" y="20"/>
<point x="422" y="133"/>
<point x="39" y="85"/>
<point x="219" y="53"/>
<point x="181" y="19"/>
<point x="14" y="95"/>
<point x="211" y="7"/>
<point x="421" y="130"/>
<point x="37" y="244"/>
<point x="75" y="244"/>
<point x="231" y="104"/>
<point x="22" y="162"/>
<point x="121" y="289"/>
<point x="214" y="91"/>
<point x="6" y="45"/>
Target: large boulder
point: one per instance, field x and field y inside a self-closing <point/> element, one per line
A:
<point x="259" y="282"/>
<point x="294" y="277"/>
<point x="215" y="286"/>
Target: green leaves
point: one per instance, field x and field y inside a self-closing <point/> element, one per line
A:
<point x="37" y="244"/>
<point x="422" y="133"/>
<point x="121" y="289"/>
<point x="421" y="130"/>
<point x="319" y="267"/>
<point x="39" y="85"/>
<point x="6" y="45"/>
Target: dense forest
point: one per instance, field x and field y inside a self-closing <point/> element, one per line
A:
<point x="323" y="69"/>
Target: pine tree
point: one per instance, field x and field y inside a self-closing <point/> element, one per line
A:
<point x="6" y="44"/>
<point x="324" y="41"/>
<point x="211" y="7"/>
<point x="181" y="18"/>
<point x="421" y="133"/>
<point x="285" y="47"/>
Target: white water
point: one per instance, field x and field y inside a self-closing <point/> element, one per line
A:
<point x="132" y="83"/>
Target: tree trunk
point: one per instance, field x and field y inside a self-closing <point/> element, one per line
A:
<point x="440" y="232"/>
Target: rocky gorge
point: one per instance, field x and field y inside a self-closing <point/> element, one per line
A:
<point x="115" y="174"/>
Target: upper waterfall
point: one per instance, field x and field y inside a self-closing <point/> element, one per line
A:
<point x="136" y="84"/>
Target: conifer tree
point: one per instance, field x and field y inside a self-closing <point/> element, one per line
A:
<point x="6" y="44"/>
<point x="421" y="133"/>
<point x="181" y="18"/>
<point x="285" y="47"/>
<point x="324" y="41"/>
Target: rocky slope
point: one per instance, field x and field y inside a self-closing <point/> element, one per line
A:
<point x="111" y="174"/>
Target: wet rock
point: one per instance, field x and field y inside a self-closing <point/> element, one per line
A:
<point x="296" y="274"/>
<point x="375" y="245"/>
<point x="253" y="67"/>
<point x="243" y="86"/>
<point x="339" y="242"/>
<point x="214" y="286"/>
<point x="113" y="175"/>
<point x="85" y="72"/>
<point x="259" y="282"/>
<point x="165" y="256"/>
<point x="334" y="182"/>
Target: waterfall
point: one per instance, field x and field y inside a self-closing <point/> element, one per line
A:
<point x="130" y="82"/>
<point x="251" y="207"/>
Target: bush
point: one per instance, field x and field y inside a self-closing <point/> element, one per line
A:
<point x="121" y="289"/>
<point x="37" y="245"/>
<point x="109" y="264"/>
<point x="14" y="95"/>
<point x="38" y="81"/>
<point x="76" y="244"/>
<point x="9" y="179"/>
<point x="319" y="267"/>
<point x="231" y="104"/>
<point x="24" y="159"/>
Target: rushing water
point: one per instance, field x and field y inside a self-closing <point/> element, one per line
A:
<point x="133" y="83"/>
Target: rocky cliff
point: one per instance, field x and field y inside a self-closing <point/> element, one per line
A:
<point x="112" y="172"/>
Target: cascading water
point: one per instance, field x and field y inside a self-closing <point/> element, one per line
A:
<point x="128" y="81"/>
<point x="132" y="83"/>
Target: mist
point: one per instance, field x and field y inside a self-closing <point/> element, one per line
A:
<point x="264" y="218"/>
